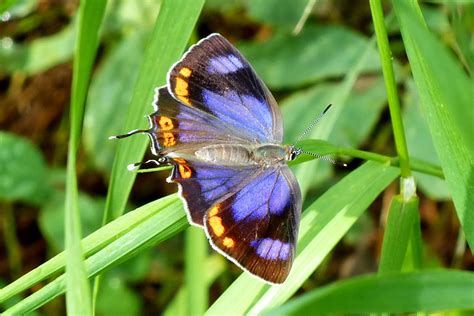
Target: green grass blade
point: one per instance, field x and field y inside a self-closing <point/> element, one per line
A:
<point x="173" y="27"/>
<point x="323" y="224"/>
<point x="164" y="218"/>
<point x="307" y="173"/>
<point x="213" y="267"/>
<point x="78" y="299"/>
<point x="391" y="86"/>
<point x="93" y="243"/>
<point x="427" y="291"/>
<point x="323" y="147"/>
<point x="400" y="223"/>
<point x="196" y="249"/>
<point x="446" y="95"/>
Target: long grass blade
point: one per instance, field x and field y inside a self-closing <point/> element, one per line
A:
<point x="78" y="299"/>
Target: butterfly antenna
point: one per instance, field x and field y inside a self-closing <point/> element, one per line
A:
<point x="136" y="166"/>
<point x="313" y="124"/>
<point x="135" y="131"/>
<point x="322" y="157"/>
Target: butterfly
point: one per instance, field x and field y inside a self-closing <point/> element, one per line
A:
<point x="221" y="129"/>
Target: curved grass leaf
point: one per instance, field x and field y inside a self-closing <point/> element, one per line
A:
<point x="398" y="230"/>
<point x="420" y="144"/>
<point x="124" y="238"/>
<point x="92" y="244"/>
<point x="427" y="291"/>
<point x="446" y="95"/>
<point x="323" y="224"/>
<point x="91" y="12"/>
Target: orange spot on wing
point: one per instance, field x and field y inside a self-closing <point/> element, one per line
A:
<point x="165" y="123"/>
<point x="185" y="72"/>
<point x="168" y="139"/>
<point x="179" y="160"/>
<point x="181" y="90"/>
<point x="228" y="242"/>
<point x="185" y="171"/>
<point x="214" y="210"/>
<point x="216" y="225"/>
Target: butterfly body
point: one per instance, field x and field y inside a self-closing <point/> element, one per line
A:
<point x="220" y="128"/>
<point x="265" y="155"/>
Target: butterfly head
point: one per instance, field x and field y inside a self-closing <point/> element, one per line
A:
<point x="292" y="152"/>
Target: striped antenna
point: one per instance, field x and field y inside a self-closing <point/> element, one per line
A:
<point x="313" y="124"/>
<point x="323" y="157"/>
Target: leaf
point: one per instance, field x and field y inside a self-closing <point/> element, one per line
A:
<point x="316" y="53"/>
<point x="24" y="176"/>
<point x="91" y="12"/>
<point x="13" y="9"/>
<point x="427" y="291"/>
<point x="100" y="239"/>
<point x="420" y="144"/>
<point x="110" y="245"/>
<point x="109" y="97"/>
<point x="446" y="95"/>
<point x="116" y="298"/>
<point x="51" y="219"/>
<point x="363" y="105"/>
<point x="400" y="222"/>
<point x="215" y="265"/>
<point x="323" y="224"/>
<point x="38" y="55"/>
<point x="283" y="14"/>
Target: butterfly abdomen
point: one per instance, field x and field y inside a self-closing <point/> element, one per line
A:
<point x="235" y="155"/>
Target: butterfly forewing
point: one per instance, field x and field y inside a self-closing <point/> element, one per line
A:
<point x="214" y="77"/>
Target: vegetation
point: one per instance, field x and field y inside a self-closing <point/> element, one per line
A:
<point x="390" y="233"/>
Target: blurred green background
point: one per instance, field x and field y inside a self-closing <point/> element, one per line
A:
<point x="303" y="62"/>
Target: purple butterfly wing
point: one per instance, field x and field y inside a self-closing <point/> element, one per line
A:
<point x="215" y="78"/>
<point x="257" y="227"/>
<point x="178" y="128"/>
<point x="201" y="185"/>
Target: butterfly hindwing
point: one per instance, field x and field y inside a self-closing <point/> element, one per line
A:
<point x="215" y="78"/>
<point x="257" y="227"/>
<point x="202" y="185"/>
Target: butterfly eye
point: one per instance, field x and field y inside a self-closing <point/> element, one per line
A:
<point x="295" y="152"/>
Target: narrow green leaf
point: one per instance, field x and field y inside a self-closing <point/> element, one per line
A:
<point x="214" y="266"/>
<point x="398" y="230"/>
<point x="78" y="299"/>
<point x="446" y="95"/>
<point x="420" y="144"/>
<point x="164" y="219"/>
<point x="390" y="86"/>
<point x="196" y="252"/>
<point x="109" y="96"/>
<point x="427" y="291"/>
<point x="93" y="243"/>
<point x="323" y="224"/>
<point x="306" y="174"/>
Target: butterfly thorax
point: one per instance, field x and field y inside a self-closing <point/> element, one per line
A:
<point x="242" y="155"/>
